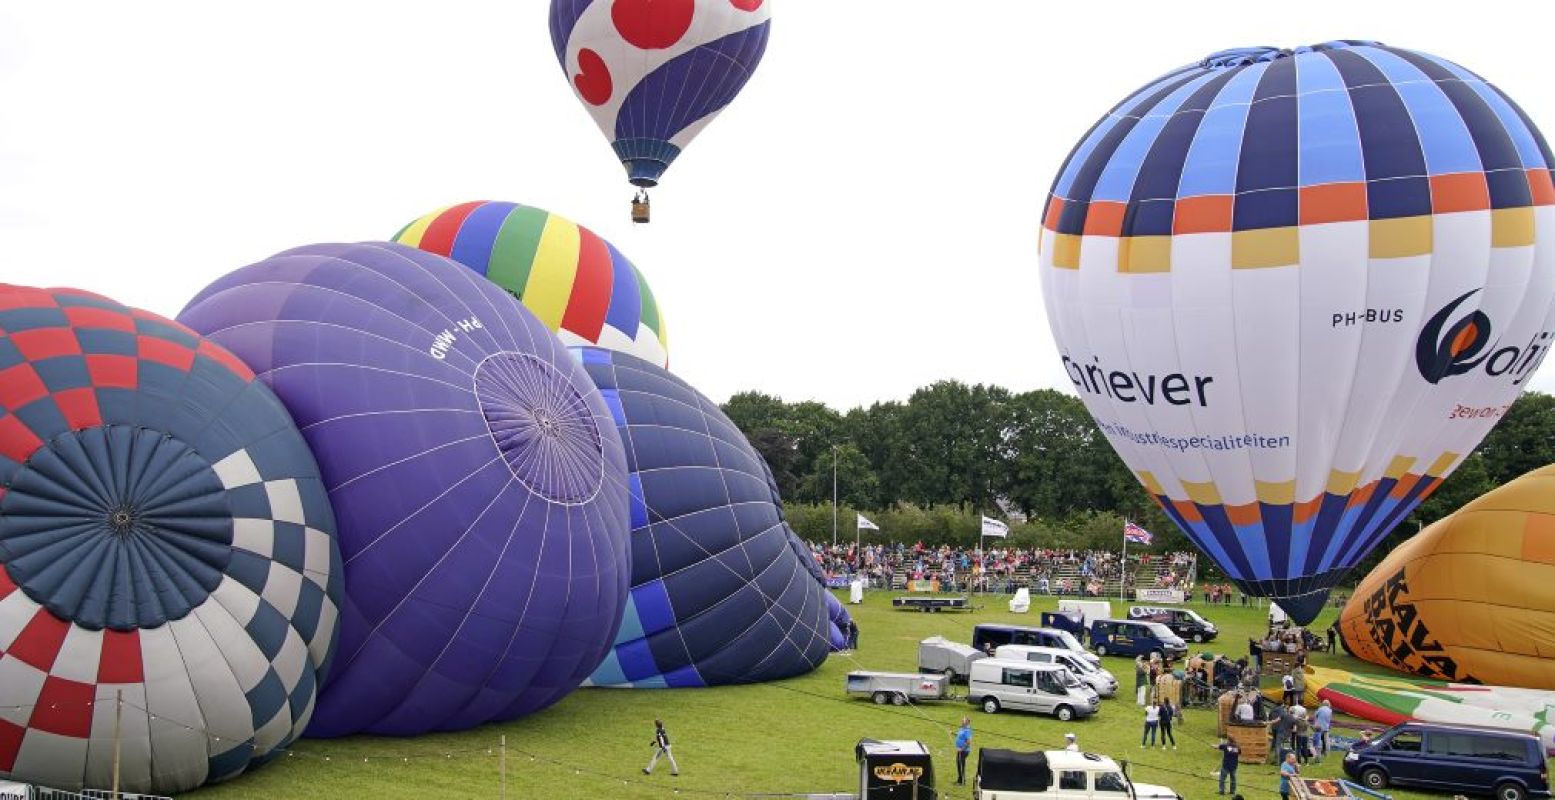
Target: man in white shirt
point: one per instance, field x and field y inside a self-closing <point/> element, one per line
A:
<point x="1244" y="710"/>
<point x="1072" y="745"/>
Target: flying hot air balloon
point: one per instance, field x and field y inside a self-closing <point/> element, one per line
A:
<point x="654" y="73"/>
<point x="1295" y="288"/>
<point x="575" y="282"/>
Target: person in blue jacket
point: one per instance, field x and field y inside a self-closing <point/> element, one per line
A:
<point x="963" y="748"/>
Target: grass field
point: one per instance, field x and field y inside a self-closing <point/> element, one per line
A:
<point x="792" y="736"/>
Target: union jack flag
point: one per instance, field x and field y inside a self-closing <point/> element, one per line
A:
<point x="1134" y="533"/>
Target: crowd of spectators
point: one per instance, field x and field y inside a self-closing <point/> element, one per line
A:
<point x="1087" y="573"/>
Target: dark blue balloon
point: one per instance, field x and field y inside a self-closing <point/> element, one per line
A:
<point x="719" y="595"/>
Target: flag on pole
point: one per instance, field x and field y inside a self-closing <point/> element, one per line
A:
<point x="865" y="525"/>
<point x="1134" y="533"/>
<point x="993" y="527"/>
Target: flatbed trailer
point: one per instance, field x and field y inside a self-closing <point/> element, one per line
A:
<point x="931" y="603"/>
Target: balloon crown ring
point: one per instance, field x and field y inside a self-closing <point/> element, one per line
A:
<point x="1245" y="56"/>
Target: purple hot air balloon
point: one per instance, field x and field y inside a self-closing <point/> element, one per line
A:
<point x="476" y="474"/>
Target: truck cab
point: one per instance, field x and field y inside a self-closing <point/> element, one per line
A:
<point x="1185" y="622"/>
<point x="1057" y="775"/>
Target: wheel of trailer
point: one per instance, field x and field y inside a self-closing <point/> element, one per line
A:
<point x="1101" y="649"/>
<point x="881" y="698"/>
<point x="898" y="699"/>
<point x="991" y="705"/>
<point x="1510" y="791"/>
<point x="1064" y="713"/>
<point x="950" y="674"/>
<point x="1375" y="779"/>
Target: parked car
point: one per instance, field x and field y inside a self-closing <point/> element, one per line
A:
<point x="988" y="636"/>
<point x="1124" y="637"/>
<point x="1089" y="674"/>
<point x="952" y="659"/>
<point x="999" y="684"/>
<point x="1057" y="775"/>
<point x="1508" y="764"/>
<point x="1184" y="622"/>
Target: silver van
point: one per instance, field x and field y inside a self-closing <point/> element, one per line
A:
<point x="1000" y="683"/>
<point x="1089" y="674"/>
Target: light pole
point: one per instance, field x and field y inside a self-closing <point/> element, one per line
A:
<point x="834" y="497"/>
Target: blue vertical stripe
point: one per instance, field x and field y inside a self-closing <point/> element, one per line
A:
<point x="1093" y="137"/>
<point x="1395" y="166"/>
<point x="1117" y="179"/>
<point x="1267" y="168"/>
<point x="1155" y="190"/>
<point x="1443" y="136"/>
<point x="1330" y="144"/>
<point x="1212" y="158"/>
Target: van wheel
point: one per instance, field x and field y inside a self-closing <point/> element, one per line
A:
<point x="898" y="699"/>
<point x="1064" y="713"/>
<point x="991" y="705"/>
<point x="1510" y="791"/>
<point x="1101" y="649"/>
<point x="1374" y="779"/>
<point x="1161" y="654"/>
<point x="950" y="675"/>
<point x="1198" y="638"/>
<point x="881" y="698"/>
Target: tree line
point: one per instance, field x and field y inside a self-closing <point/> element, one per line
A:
<point x="930" y="466"/>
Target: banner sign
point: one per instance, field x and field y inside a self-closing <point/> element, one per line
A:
<point x="1158" y="595"/>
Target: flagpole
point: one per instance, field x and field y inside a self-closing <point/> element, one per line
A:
<point x="1123" y="570"/>
<point x="834" y="496"/>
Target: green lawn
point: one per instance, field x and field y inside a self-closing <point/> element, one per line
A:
<point x="792" y="736"/>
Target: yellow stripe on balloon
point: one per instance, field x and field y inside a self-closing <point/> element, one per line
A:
<point x="415" y="230"/>
<point x="554" y="271"/>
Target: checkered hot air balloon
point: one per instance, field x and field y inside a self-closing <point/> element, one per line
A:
<point x="165" y="539"/>
<point x="654" y="73"/>
<point x="1295" y="288"/>
<point x="476" y="474"/>
<point x="573" y="280"/>
<point x="719" y="595"/>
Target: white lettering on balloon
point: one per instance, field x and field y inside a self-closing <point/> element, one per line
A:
<point x="444" y="340"/>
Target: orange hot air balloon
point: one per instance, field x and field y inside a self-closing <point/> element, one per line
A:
<point x="1472" y="597"/>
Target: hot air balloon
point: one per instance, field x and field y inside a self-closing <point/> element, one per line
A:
<point x="654" y="73"/>
<point x="577" y="283"/>
<point x="1295" y="288"/>
<point x="1469" y="599"/>
<point x="168" y="553"/>
<point x="476" y="475"/>
<point x="718" y="596"/>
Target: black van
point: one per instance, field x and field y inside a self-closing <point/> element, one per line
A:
<point x="1453" y="758"/>
<point x="1184" y="622"/>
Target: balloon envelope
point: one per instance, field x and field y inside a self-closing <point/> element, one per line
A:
<point x="1471" y="598"/>
<point x="576" y="283"/>
<point x="718" y="595"/>
<point x="653" y="73"/>
<point x="1296" y="288"/>
<point x="476" y="474"/>
<point x="167" y="547"/>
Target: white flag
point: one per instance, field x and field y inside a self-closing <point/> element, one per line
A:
<point x="993" y="527"/>
<point x="865" y="525"/>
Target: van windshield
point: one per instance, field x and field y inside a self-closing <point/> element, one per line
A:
<point x="1068" y="679"/>
<point x="1160" y="631"/>
<point x="1077" y="665"/>
<point x="1069" y="641"/>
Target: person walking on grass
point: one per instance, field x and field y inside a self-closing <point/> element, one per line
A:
<point x="1152" y="721"/>
<point x="1141" y="674"/>
<point x="1288" y="773"/>
<point x="1322" y="722"/>
<point x="963" y="748"/>
<point x="661" y="747"/>
<point x="1169" y="713"/>
<point x="1230" y="757"/>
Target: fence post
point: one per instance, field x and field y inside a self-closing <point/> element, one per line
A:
<point x="502" y="767"/>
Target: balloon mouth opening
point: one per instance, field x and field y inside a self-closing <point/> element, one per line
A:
<point x="1246" y="56"/>
<point x="121" y="521"/>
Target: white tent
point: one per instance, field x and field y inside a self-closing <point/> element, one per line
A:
<point x="1021" y="602"/>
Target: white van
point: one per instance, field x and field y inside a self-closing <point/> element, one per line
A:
<point x="1057" y="775"/>
<point x="1100" y="680"/>
<point x="999" y="683"/>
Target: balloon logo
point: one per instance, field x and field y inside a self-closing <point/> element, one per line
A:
<point x="1440" y="356"/>
<point x="1241" y="261"/>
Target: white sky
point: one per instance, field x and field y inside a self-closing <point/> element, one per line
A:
<point x="862" y="220"/>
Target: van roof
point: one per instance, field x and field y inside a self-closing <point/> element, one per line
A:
<point x="1016" y="663"/>
<point x="1454" y="727"/>
<point x="1036" y="648"/>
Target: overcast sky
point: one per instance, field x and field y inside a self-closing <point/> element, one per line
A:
<point x="860" y="222"/>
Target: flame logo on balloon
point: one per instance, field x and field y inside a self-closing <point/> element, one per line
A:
<point x="1443" y="353"/>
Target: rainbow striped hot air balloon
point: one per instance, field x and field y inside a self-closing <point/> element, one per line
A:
<point x="577" y="283"/>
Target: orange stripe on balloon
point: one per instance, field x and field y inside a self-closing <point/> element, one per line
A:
<point x="1459" y="191"/>
<point x="440" y="235"/>
<point x="1243" y="514"/>
<point x="1542" y="187"/>
<point x="1308" y="510"/>
<point x="1189" y="511"/>
<point x="590" y="299"/>
<point x="1055" y="209"/>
